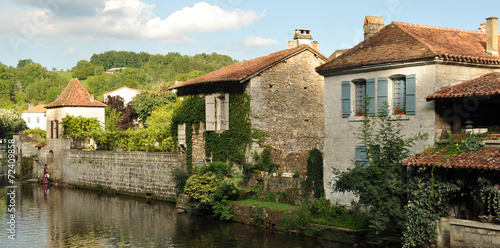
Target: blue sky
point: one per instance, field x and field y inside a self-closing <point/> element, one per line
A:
<point x="59" y="33"/>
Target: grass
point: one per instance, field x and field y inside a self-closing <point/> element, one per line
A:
<point x="271" y="205"/>
<point x="349" y="221"/>
<point x="67" y="75"/>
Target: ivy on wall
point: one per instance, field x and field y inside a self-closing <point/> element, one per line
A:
<point x="232" y="144"/>
<point x="229" y="145"/>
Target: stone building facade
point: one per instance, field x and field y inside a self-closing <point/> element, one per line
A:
<point x="286" y="101"/>
<point x="401" y="64"/>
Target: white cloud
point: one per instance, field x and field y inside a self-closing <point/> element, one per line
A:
<point x="129" y="19"/>
<point x="69" y="50"/>
<point x="259" y="41"/>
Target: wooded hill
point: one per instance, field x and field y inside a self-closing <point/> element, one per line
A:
<point x="30" y="82"/>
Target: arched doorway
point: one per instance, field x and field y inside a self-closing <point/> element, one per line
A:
<point x="50" y="160"/>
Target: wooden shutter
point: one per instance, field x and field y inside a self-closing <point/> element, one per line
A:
<point x="181" y="133"/>
<point x="370" y="93"/>
<point x="225" y="115"/>
<point x="346" y="99"/>
<point x="210" y="118"/>
<point x="411" y="104"/>
<point x="361" y="156"/>
<point x="382" y="92"/>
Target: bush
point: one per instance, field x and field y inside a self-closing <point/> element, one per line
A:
<point x="202" y="187"/>
<point x="220" y="169"/>
<point x="180" y="178"/>
<point x="323" y="208"/>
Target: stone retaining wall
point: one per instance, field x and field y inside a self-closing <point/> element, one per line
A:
<point x="133" y="172"/>
<point x="466" y="233"/>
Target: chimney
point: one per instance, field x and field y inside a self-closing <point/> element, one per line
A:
<point x="303" y="37"/>
<point x="372" y="25"/>
<point x="30" y="106"/>
<point x="492" y="35"/>
<point x="91" y="97"/>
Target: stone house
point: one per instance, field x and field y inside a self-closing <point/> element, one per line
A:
<point x="35" y="117"/>
<point x="286" y="101"/>
<point x="400" y="64"/>
<point x="74" y="100"/>
<point x="125" y="92"/>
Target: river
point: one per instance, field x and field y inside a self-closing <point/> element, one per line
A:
<point x="51" y="216"/>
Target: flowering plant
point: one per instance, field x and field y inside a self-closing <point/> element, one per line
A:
<point x="399" y="110"/>
<point x="360" y="112"/>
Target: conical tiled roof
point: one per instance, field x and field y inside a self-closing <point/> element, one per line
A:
<point x="75" y="95"/>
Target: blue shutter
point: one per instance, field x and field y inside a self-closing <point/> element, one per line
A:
<point x="411" y="103"/>
<point x="370" y="92"/>
<point x="382" y="93"/>
<point x="361" y="156"/>
<point x="346" y="99"/>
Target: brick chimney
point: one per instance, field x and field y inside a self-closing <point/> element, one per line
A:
<point x="492" y="35"/>
<point x="303" y="37"/>
<point x="372" y="25"/>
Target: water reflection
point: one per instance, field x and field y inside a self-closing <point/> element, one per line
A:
<point x="50" y="216"/>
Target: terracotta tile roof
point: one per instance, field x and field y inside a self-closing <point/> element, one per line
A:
<point x="486" y="85"/>
<point x="75" y="95"/>
<point x="124" y="87"/>
<point x="37" y="109"/>
<point x="245" y="70"/>
<point x="337" y="53"/>
<point x="399" y="41"/>
<point x="484" y="159"/>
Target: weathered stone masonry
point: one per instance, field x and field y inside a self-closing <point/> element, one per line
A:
<point x="135" y="172"/>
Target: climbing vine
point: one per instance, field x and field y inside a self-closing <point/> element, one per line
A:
<point x="232" y="144"/>
<point x="229" y="145"/>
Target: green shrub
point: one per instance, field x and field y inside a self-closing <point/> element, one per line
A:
<point x="222" y="209"/>
<point x="258" y="216"/>
<point x="202" y="187"/>
<point x="323" y="208"/>
<point x="221" y="169"/>
<point x="180" y="177"/>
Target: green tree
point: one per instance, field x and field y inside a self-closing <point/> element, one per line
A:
<point x="83" y="70"/>
<point x="24" y="62"/>
<point x="10" y="122"/>
<point x="145" y="102"/>
<point x="314" y="178"/>
<point x="161" y="117"/>
<point x="380" y="184"/>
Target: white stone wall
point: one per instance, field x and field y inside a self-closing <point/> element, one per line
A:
<point x="59" y="113"/>
<point x="340" y="140"/>
<point x="35" y="120"/>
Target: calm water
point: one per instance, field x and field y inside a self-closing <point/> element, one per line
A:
<point x="63" y="217"/>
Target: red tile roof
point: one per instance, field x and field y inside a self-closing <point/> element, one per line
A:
<point x="75" y="95"/>
<point x="486" y="85"/>
<point x="399" y="41"/>
<point x="37" y="109"/>
<point x="484" y="159"/>
<point x="245" y="70"/>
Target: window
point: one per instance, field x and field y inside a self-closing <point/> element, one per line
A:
<point x="361" y="156"/>
<point x="29" y="119"/>
<point x="38" y="120"/>
<point x="399" y="95"/>
<point x="360" y="93"/>
<point x="217" y="112"/>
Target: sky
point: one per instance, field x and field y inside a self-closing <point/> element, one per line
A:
<point x="59" y="33"/>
